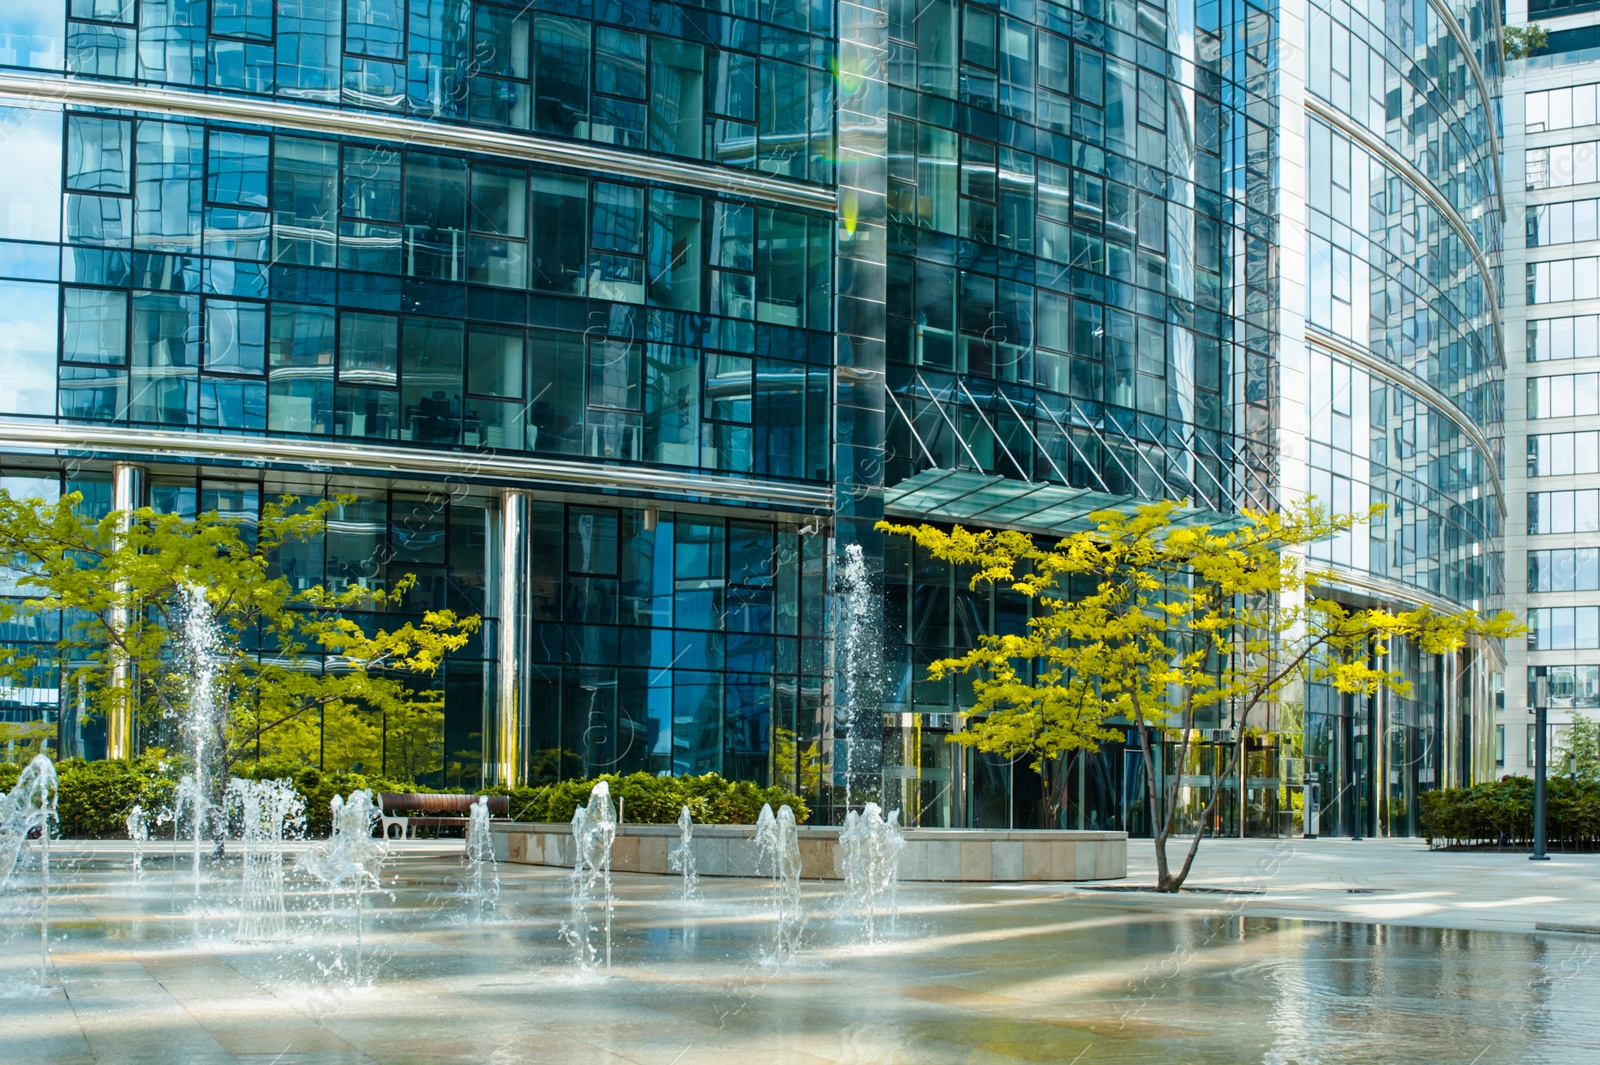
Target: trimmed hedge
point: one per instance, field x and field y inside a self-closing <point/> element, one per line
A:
<point x="94" y="797"/>
<point x="653" y="800"/>
<point x="1501" y="814"/>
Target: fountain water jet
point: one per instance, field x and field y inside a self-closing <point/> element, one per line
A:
<point x="30" y="807"/>
<point x="269" y="811"/>
<point x="861" y="679"/>
<point x="594" y="830"/>
<point x="681" y="857"/>
<point x="871" y="849"/>
<point x="139" y="833"/>
<point x="482" y="892"/>
<point x="778" y="842"/>
<point x="189" y="794"/>
<point x="350" y="859"/>
<point x="200" y="649"/>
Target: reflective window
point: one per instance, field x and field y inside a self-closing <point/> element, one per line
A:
<point x="30" y="168"/>
<point x="27" y="347"/>
<point x="1564" y="512"/>
<point x="1564" y="396"/>
<point x="1559" y="454"/>
<point x="94" y="326"/>
<point x="1563" y="108"/>
<point x="1563" y="338"/>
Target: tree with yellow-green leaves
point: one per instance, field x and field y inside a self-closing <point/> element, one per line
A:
<point x="1140" y="621"/>
<point x="294" y="659"/>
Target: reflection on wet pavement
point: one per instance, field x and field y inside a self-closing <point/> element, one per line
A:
<point x="988" y="973"/>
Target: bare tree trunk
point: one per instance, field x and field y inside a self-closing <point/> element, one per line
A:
<point x="1216" y="793"/>
<point x="1158" y="825"/>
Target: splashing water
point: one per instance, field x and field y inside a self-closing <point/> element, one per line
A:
<point x="594" y="830"/>
<point x="681" y="857"/>
<point x="482" y="891"/>
<point x="139" y="833"/>
<point x="201" y="649"/>
<point x="778" y="842"/>
<point x="871" y="862"/>
<point x="350" y="859"/>
<point x="269" y="811"/>
<point x="190" y="794"/>
<point x="861" y="680"/>
<point x="30" y="807"/>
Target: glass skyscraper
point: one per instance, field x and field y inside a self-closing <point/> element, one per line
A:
<point x="620" y="321"/>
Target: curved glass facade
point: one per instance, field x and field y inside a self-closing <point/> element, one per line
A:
<point x="678" y="299"/>
<point x="1401" y="388"/>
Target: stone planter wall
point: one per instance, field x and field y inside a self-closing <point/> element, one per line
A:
<point x="931" y="854"/>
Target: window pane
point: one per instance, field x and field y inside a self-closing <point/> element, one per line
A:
<point x="30" y="170"/>
<point x="165" y="355"/>
<point x="560" y="247"/>
<point x="618" y="218"/>
<point x="677" y="95"/>
<point x="614" y="374"/>
<point x="28" y="347"/>
<point x="733" y="231"/>
<point x="672" y="405"/>
<point x="675" y="265"/>
<point x="302" y="336"/>
<point x="372" y="184"/>
<point x="494" y="363"/>
<point x="237" y="169"/>
<point x="430" y="380"/>
<point x="781" y="267"/>
<point x="236" y="336"/>
<point x="436" y="215"/>
<point x="561" y="73"/>
<point x="369" y="349"/>
<point x="555" y="389"/>
<point x="499" y="201"/>
<point x="233" y="403"/>
<point x="367" y="412"/>
<point x="242" y="18"/>
<point x="304" y="200"/>
<point x="728" y="387"/>
<point x="374" y="27"/>
<point x="592" y="541"/>
<point x="99" y="155"/>
<point x="31" y="34"/>
<point x="95" y="327"/>
<point x="308" y="49"/>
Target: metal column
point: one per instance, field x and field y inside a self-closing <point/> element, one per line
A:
<point x="507" y="730"/>
<point x="127" y="496"/>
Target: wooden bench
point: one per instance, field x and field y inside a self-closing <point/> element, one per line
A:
<point x="409" y="811"/>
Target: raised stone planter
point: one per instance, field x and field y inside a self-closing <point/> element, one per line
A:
<point x="930" y="853"/>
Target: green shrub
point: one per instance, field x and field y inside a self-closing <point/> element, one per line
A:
<point x="1501" y="814"/>
<point x="93" y="798"/>
<point x="654" y="800"/>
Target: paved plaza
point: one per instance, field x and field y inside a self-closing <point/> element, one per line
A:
<point x="1384" y="881"/>
<point x="141" y="973"/>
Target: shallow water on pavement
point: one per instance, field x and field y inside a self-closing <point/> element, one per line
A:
<point x="992" y="973"/>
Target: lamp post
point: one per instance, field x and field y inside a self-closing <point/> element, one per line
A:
<point x="1541" y="704"/>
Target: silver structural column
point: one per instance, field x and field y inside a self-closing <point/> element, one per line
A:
<point x="127" y="496"/>
<point x="511" y="647"/>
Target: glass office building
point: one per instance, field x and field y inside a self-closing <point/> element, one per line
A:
<point x="1552" y="347"/>
<point x="620" y="320"/>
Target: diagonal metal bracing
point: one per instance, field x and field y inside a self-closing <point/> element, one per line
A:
<point x="1185" y="451"/>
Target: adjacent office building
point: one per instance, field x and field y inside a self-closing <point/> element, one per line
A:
<point x="1553" y="364"/>
<point x="623" y="320"/>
